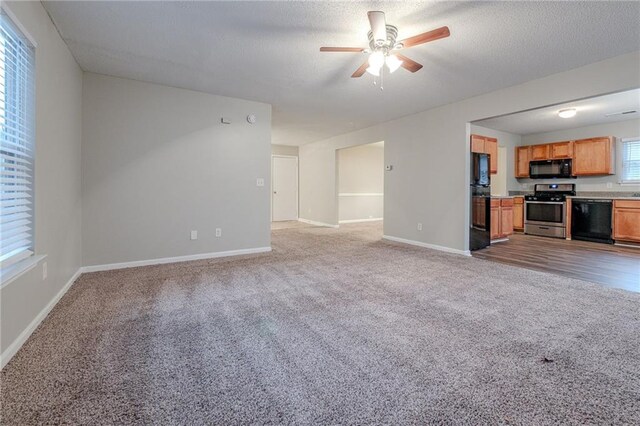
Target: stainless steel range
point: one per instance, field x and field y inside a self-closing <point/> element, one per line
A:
<point x="545" y="211"/>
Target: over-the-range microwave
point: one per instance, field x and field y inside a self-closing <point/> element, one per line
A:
<point x="549" y="169"/>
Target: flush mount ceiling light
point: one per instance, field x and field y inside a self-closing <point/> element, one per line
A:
<point x="567" y="113"/>
<point x="383" y="47"/>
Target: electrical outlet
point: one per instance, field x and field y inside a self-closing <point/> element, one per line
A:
<point x="419" y="226"/>
<point x="44" y="271"/>
<point x="260" y="182"/>
<point x="525" y="186"/>
<point x="218" y="232"/>
<point x="609" y="185"/>
<point x="194" y="235"/>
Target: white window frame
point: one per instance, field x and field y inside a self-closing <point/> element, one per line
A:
<point x="621" y="179"/>
<point x="23" y="264"/>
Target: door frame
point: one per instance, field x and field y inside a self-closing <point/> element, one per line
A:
<point x="273" y="156"/>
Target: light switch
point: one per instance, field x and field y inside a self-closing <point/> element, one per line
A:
<point x="194" y="235"/>
<point x="260" y="182"/>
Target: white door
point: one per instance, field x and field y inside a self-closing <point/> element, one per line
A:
<point x="284" y="188"/>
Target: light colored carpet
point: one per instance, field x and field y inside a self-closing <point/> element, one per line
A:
<point x="332" y="327"/>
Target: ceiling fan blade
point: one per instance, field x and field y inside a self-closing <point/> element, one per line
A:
<point x="409" y="64"/>
<point x="378" y="26"/>
<point x="341" y="49"/>
<point x="432" y="35"/>
<point x="360" y="71"/>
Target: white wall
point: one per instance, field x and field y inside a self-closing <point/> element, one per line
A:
<point x="157" y="163"/>
<point x="284" y="150"/>
<point x="57" y="177"/>
<point x="361" y="182"/>
<point x="430" y="153"/>
<point x="505" y="178"/>
<point x="621" y="129"/>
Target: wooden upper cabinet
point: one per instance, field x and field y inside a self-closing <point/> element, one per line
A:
<point x="477" y="144"/>
<point x="539" y="152"/>
<point x="486" y="145"/>
<point x="491" y="148"/>
<point x="559" y="150"/>
<point x="593" y="156"/>
<point x="522" y="161"/>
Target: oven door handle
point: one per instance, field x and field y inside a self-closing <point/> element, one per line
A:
<point x="546" y="202"/>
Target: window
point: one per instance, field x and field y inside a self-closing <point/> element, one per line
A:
<point x="17" y="61"/>
<point x="630" y="161"/>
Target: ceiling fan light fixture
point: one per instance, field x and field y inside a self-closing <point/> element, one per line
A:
<point x="374" y="71"/>
<point x="567" y="113"/>
<point x="376" y="60"/>
<point x="393" y="63"/>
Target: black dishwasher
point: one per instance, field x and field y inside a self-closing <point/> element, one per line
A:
<point x="591" y="220"/>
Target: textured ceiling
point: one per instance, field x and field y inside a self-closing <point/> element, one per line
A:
<point x="589" y="112"/>
<point x="268" y="51"/>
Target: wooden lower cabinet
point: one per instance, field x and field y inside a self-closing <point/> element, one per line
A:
<point x="501" y="217"/>
<point x="495" y="219"/>
<point x="479" y="209"/>
<point x="518" y="213"/>
<point x="626" y="220"/>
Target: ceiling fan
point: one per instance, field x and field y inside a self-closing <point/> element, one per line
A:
<point x="383" y="47"/>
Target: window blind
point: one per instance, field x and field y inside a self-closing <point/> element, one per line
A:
<point x="17" y="62"/>
<point x="631" y="161"/>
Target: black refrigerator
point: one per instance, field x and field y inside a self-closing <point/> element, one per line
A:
<point x="480" y="222"/>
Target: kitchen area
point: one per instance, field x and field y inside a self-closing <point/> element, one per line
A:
<point x="557" y="189"/>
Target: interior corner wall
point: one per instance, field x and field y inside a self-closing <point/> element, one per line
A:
<point x="429" y="152"/>
<point x="158" y="163"/>
<point x="58" y="111"/>
<point x="361" y="183"/>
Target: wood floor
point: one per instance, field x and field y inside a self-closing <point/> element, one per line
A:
<point x="610" y="265"/>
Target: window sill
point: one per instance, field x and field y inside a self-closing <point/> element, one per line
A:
<point x="15" y="271"/>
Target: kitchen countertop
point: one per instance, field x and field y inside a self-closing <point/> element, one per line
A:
<point x="595" y="195"/>
<point x="502" y="196"/>
<point x="582" y="197"/>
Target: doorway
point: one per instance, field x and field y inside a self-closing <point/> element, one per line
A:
<point x="284" y="188"/>
<point x="360" y="176"/>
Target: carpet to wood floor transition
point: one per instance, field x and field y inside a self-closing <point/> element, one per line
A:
<point x="332" y="327"/>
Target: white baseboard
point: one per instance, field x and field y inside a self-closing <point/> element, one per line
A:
<point x="6" y="356"/>
<point x="160" y="261"/>
<point x="427" y="245"/>
<point x="313" y="222"/>
<point x="375" y="219"/>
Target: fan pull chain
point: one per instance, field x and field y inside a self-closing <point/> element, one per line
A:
<point x="382" y="78"/>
